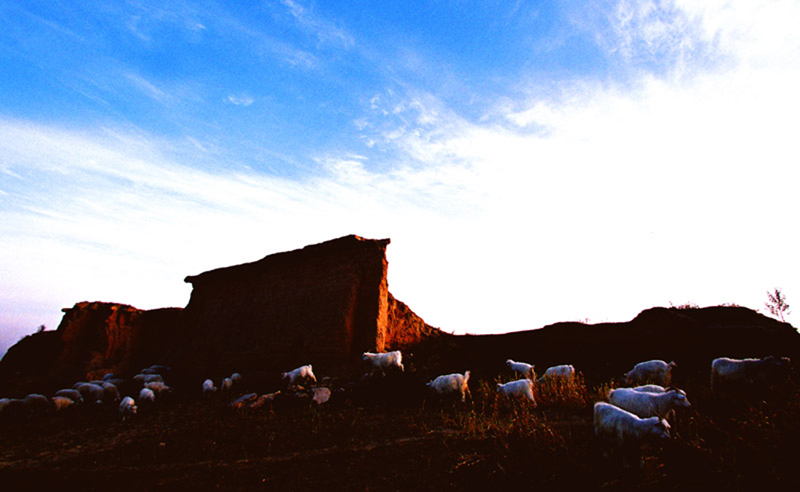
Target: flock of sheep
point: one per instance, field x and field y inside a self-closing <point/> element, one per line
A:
<point x="632" y="416"/>
<point x="149" y="383"/>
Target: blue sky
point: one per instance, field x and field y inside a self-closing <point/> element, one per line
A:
<point x="532" y="162"/>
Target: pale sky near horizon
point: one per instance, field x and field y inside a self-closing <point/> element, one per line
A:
<point x="532" y="162"/>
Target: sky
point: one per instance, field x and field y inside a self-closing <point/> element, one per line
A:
<point x="532" y="162"/>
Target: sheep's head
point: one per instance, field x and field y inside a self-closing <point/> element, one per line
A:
<point x="679" y="398"/>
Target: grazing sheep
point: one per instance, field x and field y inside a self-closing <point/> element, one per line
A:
<point x="146" y="395"/>
<point x="564" y="372"/>
<point x="650" y="388"/>
<point x="61" y="402"/>
<point x="523" y="368"/>
<point x="227" y="384"/>
<point x="110" y="392"/>
<point x="118" y="382"/>
<point x="519" y="388"/>
<point x="208" y="387"/>
<point x="451" y="383"/>
<point x="13" y="406"/>
<point x="626" y="431"/>
<point x="770" y="369"/>
<point x="37" y="403"/>
<point x="382" y="362"/>
<point x="301" y="373"/>
<point x="147" y="378"/>
<point x="91" y="392"/>
<point x="127" y="408"/>
<point x="644" y="404"/>
<point x="651" y="371"/>
<point x="158" y="387"/>
<point x="72" y="394"/>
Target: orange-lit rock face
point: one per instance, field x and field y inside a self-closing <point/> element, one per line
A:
<point x="100" y="337"/>
<point x="327" y="302"/>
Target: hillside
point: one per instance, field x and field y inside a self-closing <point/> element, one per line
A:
<point x="390" y="434"/>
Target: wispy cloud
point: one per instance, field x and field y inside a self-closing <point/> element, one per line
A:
<point x="148" y="88"/>
<point x="325" y="31"/>
<point x="240" y="100"/>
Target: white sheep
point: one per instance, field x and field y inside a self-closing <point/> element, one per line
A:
<point x="127" y="408"/>
<point x="208" y="387"/>
<point x="158" y="387"/>
<point x="625" y="430"/>
<point x="644" y="404"/>
<point x="651" y="371"/>
<point x="61" y="402"/>
<point x="146" y="395"/>
<point x="748" y="371"/>
<point x="37" y="403"/>
<point x="227" y="384"/>
<point x="110" y="392"/>
<point x="650" y="388"/>
<point x="564" y="373"/>
<point x="523" y="368"/>
<point x="519" y="388"/>
<point x="72" y="394"/>
<point x="451" y="383"/>
<point x="91" y="393"/>
<point x="383" y="361"/>
<point x="302" y="372"/>
<point x="147" y="378"/>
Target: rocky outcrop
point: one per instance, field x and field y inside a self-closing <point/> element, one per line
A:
<point x="404" y="328"/>
<point x="92" y="339"/>
<point x="325" y="304"/>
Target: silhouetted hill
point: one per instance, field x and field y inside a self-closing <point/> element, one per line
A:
<point x="691" y="337"/>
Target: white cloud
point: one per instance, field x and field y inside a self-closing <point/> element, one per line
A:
<point x="241" y="100"/>
<point x="325" y="30"/>
<point x="659" y="190"/>
<point x="602" y="202"/>
<point x="148" y="88"/>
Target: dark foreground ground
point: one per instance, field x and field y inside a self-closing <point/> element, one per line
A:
<point x="358" y="441"/>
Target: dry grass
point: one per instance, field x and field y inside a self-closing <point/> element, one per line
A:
<point x="425" y="444"/>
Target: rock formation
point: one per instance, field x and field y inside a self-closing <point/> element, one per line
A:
<point x="322" y="304"/>
<point x="326" y="303"/>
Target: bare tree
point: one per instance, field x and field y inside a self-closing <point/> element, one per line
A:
<point x="777" y="304"/>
